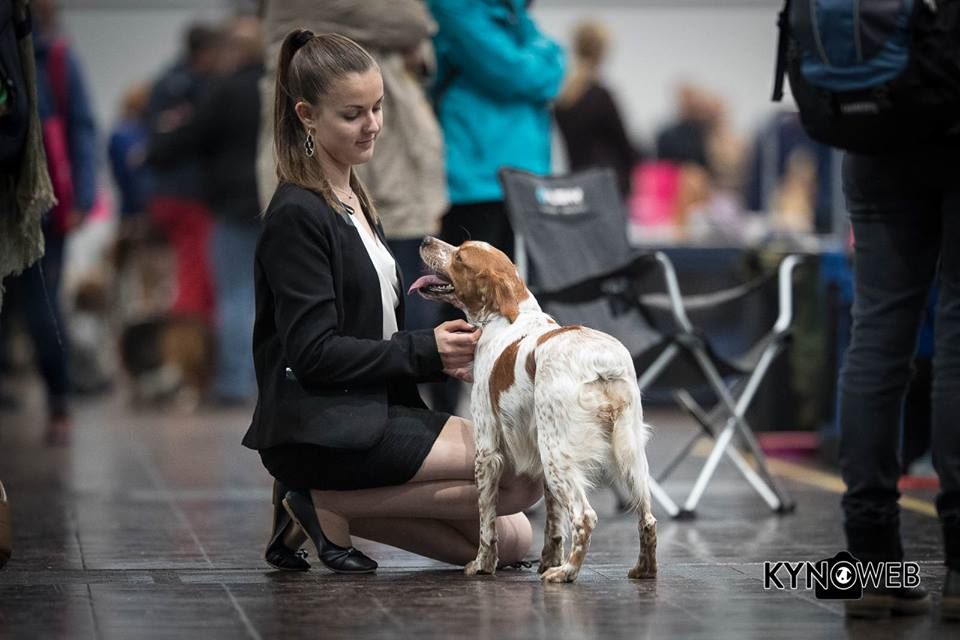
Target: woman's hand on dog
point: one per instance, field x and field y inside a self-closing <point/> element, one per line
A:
<point x="457" y="342"/>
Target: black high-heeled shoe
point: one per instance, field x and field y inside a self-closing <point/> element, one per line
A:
<point x="339" y="559"/>
<point x="277" y="554"/>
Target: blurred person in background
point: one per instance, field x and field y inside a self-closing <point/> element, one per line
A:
<point x="221" y="131"/>
<point x="406" y="177"/>
<point x="792" y="207"/>
<point x="684" y="141"/>
<point x="587" y="114"/>
<point x="25" y="190"/>
<point x="69" y="139"/>
<point x="176" y="202"/>
<point x="127" y="151"/>
<point x="726" y="149"/>
<point x="772" y="163"/>
<point x="707" y="157"/>
<point x="497" y="75"/>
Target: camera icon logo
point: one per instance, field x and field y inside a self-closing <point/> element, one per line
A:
<point x="844" y="583"/>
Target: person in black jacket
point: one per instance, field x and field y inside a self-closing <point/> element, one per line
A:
<point x="222" y="132"/>
<point x="587" y="114"/>
<point x="339" y="421"/>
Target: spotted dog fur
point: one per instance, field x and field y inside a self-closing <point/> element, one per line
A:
<point x="560" y="403"/>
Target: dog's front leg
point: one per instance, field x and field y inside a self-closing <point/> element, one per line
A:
<point x="488" y="467"/>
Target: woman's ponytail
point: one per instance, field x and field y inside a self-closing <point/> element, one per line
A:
<point x="286" y="126"/>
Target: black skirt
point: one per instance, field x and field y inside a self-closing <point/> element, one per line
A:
<point x="407" y="440"/>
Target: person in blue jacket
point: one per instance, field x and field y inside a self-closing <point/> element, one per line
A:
<point x="62" y="99"/>
<point x="497" y="74"/>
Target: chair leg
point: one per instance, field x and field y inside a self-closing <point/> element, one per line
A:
<point x="701" y="417"/>
<point x="709" y="467"/>
<point x="661" y="496"/>
<point x="786" y="502"/>
<point x="768" y="488"/>
<point x="679" y="457"/>
<point x="746" y="432"/>
<point x="706" y="421"/>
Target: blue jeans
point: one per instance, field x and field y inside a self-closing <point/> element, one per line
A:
<point x="232" y="246"/>
<point x="905" y="211"/>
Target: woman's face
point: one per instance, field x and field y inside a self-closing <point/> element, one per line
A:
<point x="349" y="118"/>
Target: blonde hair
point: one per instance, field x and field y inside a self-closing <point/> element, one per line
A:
<point x="590" y="40"/>
<point x="309" y="65"/>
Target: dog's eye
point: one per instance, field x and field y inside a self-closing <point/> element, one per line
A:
<point x="458" y="258"/>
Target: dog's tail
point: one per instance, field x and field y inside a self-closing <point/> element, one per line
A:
<point x="628" y="439"/>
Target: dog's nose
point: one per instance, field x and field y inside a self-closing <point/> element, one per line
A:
<point x="427" y="241"/>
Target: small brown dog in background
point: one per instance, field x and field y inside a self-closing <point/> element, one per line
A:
<point x="168" y="360"/>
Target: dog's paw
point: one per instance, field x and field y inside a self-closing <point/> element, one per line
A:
<point x="549" y="558"/>
<point x="643" y="571"/>
<point x="559" y="574"/>
<point x="481" y="566"/>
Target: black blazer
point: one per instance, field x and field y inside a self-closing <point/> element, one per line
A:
<point x="319" y="313"/>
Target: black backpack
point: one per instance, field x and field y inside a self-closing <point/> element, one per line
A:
<point x="14" y="102"/>
<point x="872" y="76"/>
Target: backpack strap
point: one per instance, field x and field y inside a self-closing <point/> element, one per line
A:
<point x="57" y="73"/>
<point x="783" y="23"/>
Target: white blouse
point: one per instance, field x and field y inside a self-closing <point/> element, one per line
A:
<point x="386" y="268"/>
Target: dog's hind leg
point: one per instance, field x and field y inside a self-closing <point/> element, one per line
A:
<point x="646" y="566"/>
<point x="629" y="438"/>
<point x="488" y="467"/>
<point x="565" y="483"/>
<point x="552" y="553"/>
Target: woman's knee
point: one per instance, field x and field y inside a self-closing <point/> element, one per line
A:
<point x="518" y="493"/>
<point x="514" y="538"/>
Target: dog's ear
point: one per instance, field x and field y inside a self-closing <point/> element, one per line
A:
<point x="499" y="293"/>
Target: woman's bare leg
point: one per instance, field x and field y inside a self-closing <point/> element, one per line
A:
<point x="453" y="541"/>
<point x="442" y="489"/>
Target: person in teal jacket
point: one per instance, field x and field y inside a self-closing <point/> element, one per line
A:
<point x="496" y="76"/>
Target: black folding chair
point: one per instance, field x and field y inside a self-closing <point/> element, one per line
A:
<point x="573" y="251"/>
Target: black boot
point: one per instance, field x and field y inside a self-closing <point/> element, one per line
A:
<point x="278" y="555"/>
<point x="882" y="602"/>
<point x="339" y="559"/>
<point x="950" y="607"/>
<point x="881" y="543"/>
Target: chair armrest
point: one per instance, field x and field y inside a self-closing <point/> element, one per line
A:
<point x="785" y="271"/>
<point x="673" y="291"/>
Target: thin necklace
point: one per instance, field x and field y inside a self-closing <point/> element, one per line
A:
<point x="339" y="192"/>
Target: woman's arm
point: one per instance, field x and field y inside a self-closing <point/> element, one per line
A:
<point x="295" y="253"/>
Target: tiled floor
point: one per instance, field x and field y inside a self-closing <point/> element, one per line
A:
<point x="152" y="525"/>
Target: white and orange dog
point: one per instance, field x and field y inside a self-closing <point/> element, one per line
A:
<point x="560" y="403"/>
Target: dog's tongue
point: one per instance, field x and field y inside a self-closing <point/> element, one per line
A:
<point x="424" y="281"/>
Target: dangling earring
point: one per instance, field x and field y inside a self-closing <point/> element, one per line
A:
<point x="308" y="146"/>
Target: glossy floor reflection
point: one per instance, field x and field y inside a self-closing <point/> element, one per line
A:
<point x="152" y="525"/>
